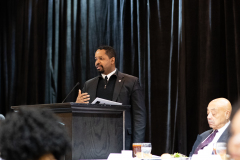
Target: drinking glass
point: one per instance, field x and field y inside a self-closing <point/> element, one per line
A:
<point x="136" y="148"/>
<point x="146" y="149"/>
<point x="220" y="148"/>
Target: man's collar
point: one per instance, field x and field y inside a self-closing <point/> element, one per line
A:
<point x="224" y="127"/>
<point x="110" y="74"/>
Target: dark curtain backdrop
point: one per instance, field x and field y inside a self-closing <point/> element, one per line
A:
<point x="184" y="52"/>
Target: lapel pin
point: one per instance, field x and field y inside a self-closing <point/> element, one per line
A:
<point x="119" y="80"/>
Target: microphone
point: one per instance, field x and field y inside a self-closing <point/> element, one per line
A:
<point x="71" y="91"/>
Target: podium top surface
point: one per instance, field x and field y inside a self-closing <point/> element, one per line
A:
<point x="72" y="107"/>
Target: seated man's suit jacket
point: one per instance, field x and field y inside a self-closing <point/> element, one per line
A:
<point x="200" y="138"/>
<point x="127" y="91"/>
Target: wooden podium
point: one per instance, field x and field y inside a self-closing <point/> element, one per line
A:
<point x="95" y="130"/>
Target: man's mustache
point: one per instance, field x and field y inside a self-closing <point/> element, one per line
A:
<point x="210" y="121"/>
<point x="99" y="66"/>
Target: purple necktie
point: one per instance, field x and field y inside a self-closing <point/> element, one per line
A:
<point x="206" y="142"/>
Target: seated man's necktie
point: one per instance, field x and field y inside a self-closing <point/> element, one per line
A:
<point x="206" y="142"/>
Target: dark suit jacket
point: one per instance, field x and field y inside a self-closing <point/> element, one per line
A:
<point x="223" y="138"/>
<point x="128" y="92"/>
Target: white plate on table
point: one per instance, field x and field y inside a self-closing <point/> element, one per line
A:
<point x="158" y="157"/>
<point x="153" y="157"/>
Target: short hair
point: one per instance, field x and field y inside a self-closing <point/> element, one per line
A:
<point x="31" y="133"/>
<point x="110" y="51"/>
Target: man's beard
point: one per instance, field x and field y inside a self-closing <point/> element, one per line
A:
<point x="101" y="71"/>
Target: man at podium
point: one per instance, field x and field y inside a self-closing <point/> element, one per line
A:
<point x="113" y="85"/>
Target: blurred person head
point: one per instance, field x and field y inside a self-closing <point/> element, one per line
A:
<point x="33" y="134"/>
<point x="105" y="58"/>
<point x="234" y="140"/>
<point x="219" y="112"/>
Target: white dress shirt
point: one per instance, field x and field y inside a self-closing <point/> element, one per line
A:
<point x="209" y="148"/>
<point x="109" y="75"/>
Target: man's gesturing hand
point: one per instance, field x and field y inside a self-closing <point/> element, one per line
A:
<point x="82" y="97"/>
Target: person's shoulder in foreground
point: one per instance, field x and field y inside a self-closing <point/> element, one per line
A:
<point x="33" y="134"/>
<point x="234" y="140"/>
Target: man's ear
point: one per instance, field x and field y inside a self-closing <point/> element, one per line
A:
<point x="227" y="114"/>
<point x="113" y="60"/>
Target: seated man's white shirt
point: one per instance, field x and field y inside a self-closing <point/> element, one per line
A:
<point x="209" y="148"/>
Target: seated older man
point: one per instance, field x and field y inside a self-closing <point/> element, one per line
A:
<point x="234" y="140"/>
<point x="218" y="111"/>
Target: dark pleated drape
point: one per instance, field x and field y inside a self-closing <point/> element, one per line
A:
<point x="184" y="52"/>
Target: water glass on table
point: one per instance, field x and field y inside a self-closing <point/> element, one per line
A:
<point x="220" y="148"/>
<point x="146" y="148"/>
